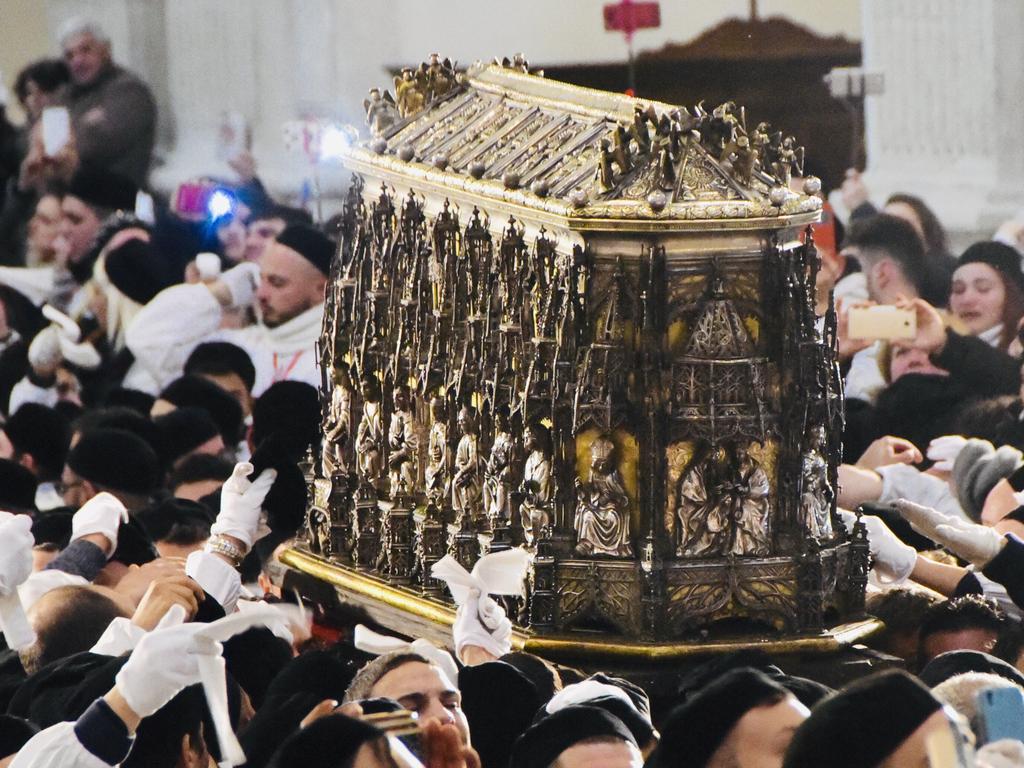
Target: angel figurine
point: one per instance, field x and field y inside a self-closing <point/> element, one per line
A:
<point x="381" y="111"/>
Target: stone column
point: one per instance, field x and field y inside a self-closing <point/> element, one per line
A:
<point x="945" y="127"/>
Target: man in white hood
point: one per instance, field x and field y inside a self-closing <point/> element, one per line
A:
<point x="288" y="288"/>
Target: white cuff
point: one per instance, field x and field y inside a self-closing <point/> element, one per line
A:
<point x="120" y="637"/>
<point x="218" y="579"/>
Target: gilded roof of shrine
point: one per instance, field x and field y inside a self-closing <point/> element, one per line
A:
<point x="503" y="132"/>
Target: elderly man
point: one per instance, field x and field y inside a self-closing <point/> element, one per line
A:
<point x="112" y="111"/>
<point x="288" y="289"/>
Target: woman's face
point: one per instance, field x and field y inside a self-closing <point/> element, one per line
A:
<point x="906" y="361"/>
<point x="977" y="297"/>
<point x="36" y="100"/>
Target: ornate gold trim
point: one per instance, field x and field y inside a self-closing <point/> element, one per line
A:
<point x="563" y="647"/>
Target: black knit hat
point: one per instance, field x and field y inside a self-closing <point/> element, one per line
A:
<point x="17" y="487"/>
<point x="42" y="433"/>
<point x="103" y="189"/>
<point x="291" y="410"/>
<point x="14" y="734"/>
<point x="497" y="721"/>
<point x="329" y="742"/>
<point x="549" y="737"/>
<point x="200" y="393"/>
<point x="182" y="431"/>
<point x="220" y="357"/>
<point x="134" y="544"/>
<point x="135" y="270"/>
<point x="862" y="724"/>
<point x="694" y="730"/>
<point x="953" y="663"/>
<point x="310" y="243"/>
<point x="116" y="459"/>
<point x="1001" y="257"/>
<point x="53" y="527"/>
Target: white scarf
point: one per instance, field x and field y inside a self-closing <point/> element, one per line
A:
<point x="299" y="334"/>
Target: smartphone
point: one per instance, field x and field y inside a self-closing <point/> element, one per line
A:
<point x="1001" y="714"/>
<point x="192" y="199"/>
<point x="881" y="322"/>
<point x="400" y="726"/>
<point x="56" y="130"/>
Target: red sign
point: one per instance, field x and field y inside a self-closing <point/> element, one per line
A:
<point x="627" y="17"/>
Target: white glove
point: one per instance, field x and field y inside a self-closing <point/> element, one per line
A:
<point x="242" y="281"/>
<point x="975" y="543"/>
<point x="893" y="560"/>
<point x="44" y="352"/>
<point x="67" y="327"/>
<point x="15" y="567"/>
<point x="482" y="622"/>
<point x="944" y="450"/>
<point x="1005" y="753"/>
<point x="165" y="662"/>
<point x="208" y="266"/>
<point x="241" y="503"/>
<point x="102" y="514"/>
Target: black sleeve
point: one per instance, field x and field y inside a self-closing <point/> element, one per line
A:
<point x="1007" y="568"/>
<point x="985" y="370"/>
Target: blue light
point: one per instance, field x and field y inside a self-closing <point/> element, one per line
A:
<point x="220" y="204"/>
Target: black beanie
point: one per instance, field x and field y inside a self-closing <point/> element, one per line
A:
<point x="116" y="459"/>
<point x="135" y="270"/>
<point x="53" y="527"/>
<point x="42" y="433"/>
<point x="290" y="410"/>
<point x="497" y="721"/>
<point x="953" y="663"/>
<point x="14" y="734"/>
<point x="201" y="393"/>
<point x="541" y="745"/>
<point x="254" y="658"/>
<point x="103" y="189"/>
<point x="182" y="431"/>
<point x="219" y="357"/>
<point x="694" y="730"/>
<point x="861" y="725"/>
<point x="1001" y="257"/>
<point x="327" y="743"/>
<point x="17" y="487"/>
<point x="310" y="243"/>
<point x="134" y="544"/>
<point x="133" y="399"/>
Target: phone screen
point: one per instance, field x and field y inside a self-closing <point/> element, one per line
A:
<point x="193" y="200"/>
<point x="56" y="130"/>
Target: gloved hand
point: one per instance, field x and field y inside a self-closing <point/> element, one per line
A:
<point x="241" y="503"/>
<point x="15" y="567"/>
<point x="975" y="543"/>
<point x="893" y="560"/>
<point x="16" y="543"/>
<point x="242" y="281"/>
<point x="165" y="662"/>
<point x="44" y="352"/>
<point x="208" y="266"/>
<point x="102" y="514"/>
<point x="944" y="450"/>
<point x="482" y="622"/>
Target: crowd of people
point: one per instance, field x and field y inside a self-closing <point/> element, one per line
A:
<point x="159" y="387"/>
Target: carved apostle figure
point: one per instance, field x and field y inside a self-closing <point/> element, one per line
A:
<point x="816" y="496"/>
<point x="338" y="429"/>
<point x="466" y="489"/>
<point x="723" y="506"/>
<point x="436" y="471"/>
<point x="370" y="433"/>
<point x="537" y="488"/>
<point x="402" y="443"/>
<point x="602" y="506"/>
<point x="499" y="471"/>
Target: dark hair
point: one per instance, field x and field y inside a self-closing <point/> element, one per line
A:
<point x="197" y="467"/>
<point x="73" y="626"/>
<point x="884" y="236"/>
<point x="371" y="672"/>
<point x="117" y="417"/>
<point x="286" y="213"/>
<point x="934" y="233"/>
<point x="962" y="613"/>
<point x="218" y="358"/>
<point x="48" y="74"/>
<point x="158" y="741"/>
<point x="902" y="609"/>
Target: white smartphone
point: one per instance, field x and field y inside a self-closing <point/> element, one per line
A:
<point x="56" y="130"/>
<point x="881" y="322"/>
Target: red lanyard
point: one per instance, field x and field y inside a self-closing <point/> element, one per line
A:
<point x="278" y="376"/>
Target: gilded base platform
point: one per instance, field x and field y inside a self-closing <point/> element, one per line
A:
<point x="407" y="612"/>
